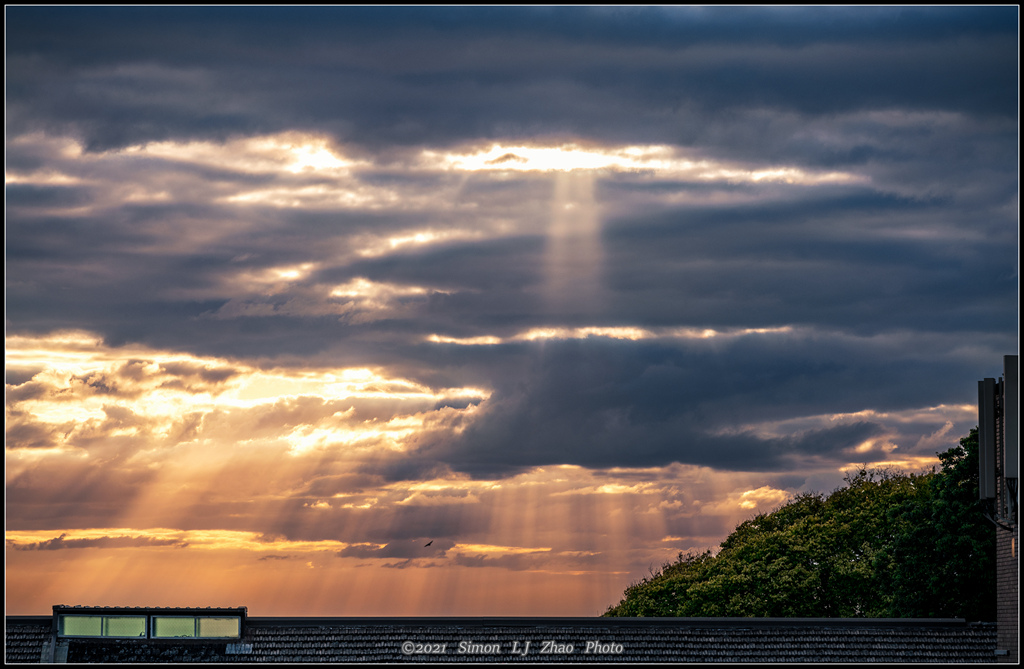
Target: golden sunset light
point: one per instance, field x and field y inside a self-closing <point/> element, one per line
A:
<point x="361" y="311"/>
<point x="293" y="152"/>
<point x="659" y="159"/>
<point x="620" y="332"/>
<point x="210" y="446"/>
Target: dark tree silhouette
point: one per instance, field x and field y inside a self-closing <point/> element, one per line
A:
<point x="888" y="544"/>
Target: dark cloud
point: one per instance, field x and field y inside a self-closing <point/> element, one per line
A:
<point x="61" y="543"/>
<point x="324" y="486"/>
<point x="23" y="430"/>
<point x="606" y="403"/>
<point x="27" y="390"/>
<point x="72" y="492"/>
<point x="513" y="562"/>
<point x="206" y="374"/>
<point x="396" y="75"/>
<point x="414" y="548"/>
<point x="19" y="196"/>
<point x="845" y="218"/>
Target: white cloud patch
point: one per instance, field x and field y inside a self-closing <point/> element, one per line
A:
<point x="660" y="161"/>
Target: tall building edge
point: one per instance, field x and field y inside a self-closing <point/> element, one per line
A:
<point x="1008" y="537"/>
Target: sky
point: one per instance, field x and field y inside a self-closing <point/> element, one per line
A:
<point x="563" y="292"/>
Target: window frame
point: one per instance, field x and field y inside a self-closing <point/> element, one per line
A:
<point x="214" y="622"/>
<point x="104" y="620"/>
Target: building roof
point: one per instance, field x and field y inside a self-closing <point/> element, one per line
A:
<point x="34" y="639"/>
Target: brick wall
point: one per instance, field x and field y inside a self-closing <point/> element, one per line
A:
<point x="1007" y="589"/>
<point x="1007" y="559"/>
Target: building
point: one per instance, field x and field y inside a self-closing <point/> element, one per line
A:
<point x="998" y="474"/>
<point x="93" y="634"/>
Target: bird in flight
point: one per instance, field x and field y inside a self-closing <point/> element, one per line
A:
<point x="428" y="543"/>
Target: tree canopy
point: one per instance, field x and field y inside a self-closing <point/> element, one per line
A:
<point x="887" y="544"/>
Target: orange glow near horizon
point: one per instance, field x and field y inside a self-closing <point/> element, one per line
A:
<point x="198" y="477"/>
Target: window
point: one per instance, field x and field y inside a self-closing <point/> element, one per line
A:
<point x="219" y="627"/>
<point x="173" y="626"/>
<point x="151" y="623"/>
<point x="168" y="627"/>
<point x="102" y="626"/>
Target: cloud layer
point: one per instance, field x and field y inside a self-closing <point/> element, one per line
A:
<point x="293" y="291"/>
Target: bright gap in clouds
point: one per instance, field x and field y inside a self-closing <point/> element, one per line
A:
<point x="664" y="161"/>
<point x="81" y="387"/>
<point x="314" y="171"/>
<point x="610" y="332"/>
<point x="293" y="152"/>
